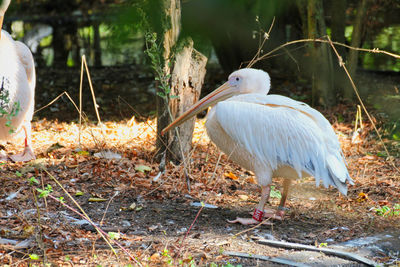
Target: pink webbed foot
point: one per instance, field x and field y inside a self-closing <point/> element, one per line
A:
<point x="3" y="156"/>
<point x="256" y="219"/>
<point x="26" y="155"/>
<point x="248" y="221"/>
<point x="274" y="214"/>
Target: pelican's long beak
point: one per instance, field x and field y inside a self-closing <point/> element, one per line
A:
<point x="221" y="93"/>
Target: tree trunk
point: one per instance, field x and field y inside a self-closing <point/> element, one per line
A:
<point x="59" y="46"/>
<point x="186" y="72"/>
<point x="338" y="14"/>
<point x="170" y="31"/>
<point x="355" y="42"/>
<point x="96" y="44"/>
<point x="338" y="25"/>
<point x="320" y="57"/>
<point x="186" y="82"/>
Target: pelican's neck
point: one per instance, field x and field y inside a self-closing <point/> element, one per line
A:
<point x="3" y="8"/>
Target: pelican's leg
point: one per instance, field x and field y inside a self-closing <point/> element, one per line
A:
<point x="28" y="153"/>
<point x="280" y="213"/>
<point x="259" y="211"/>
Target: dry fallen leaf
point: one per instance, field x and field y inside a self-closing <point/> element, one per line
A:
<point x="142" y="168"/>
<point x="251" y="180"/>
<point x="231" y="176"/>
<point x="155" y="257"/>
<point x="244" y="197"/>
<point x="362" y="197"/>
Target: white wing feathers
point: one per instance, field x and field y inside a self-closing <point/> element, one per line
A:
<point x="280" y="131"/>
<point x="26" y="59"/>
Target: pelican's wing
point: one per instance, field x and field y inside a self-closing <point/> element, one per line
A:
<point x="26" y="58"/>
<point x="278" y="133"/>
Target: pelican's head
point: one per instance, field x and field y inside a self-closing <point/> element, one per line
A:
<point x="243" y="81"/>
<point x="3" y="8"/>
<point x="249" y="81"/>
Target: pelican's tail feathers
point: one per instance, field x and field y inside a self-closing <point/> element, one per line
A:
<point x="338" y="173"/>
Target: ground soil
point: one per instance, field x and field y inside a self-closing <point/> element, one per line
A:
<point x="153" y="215"/>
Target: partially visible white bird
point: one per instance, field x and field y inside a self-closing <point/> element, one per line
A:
<point x="17" y="90"/>
<point x="270" y="135"/>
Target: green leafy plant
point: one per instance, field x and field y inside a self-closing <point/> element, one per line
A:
<point x="8" y="110"/>
<point x="114" y="235"/>
<point x="32" y="181"/>
<point x="387" y="211"/>
<point x="154" y="51"/>
<point x="275" y="193"/>
<point x="165" y="253"/>
<point x="45" y="192"/>
<point x="34" y="257"/>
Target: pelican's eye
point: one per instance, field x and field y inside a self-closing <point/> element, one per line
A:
<point x="235" y="80"/>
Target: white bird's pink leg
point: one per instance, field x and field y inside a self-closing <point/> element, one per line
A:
<point x="280" y="213"/>
<point x="259" y="211"/>
<point x="28" y="153"/>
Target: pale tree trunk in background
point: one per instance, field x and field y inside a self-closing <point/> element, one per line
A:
<point x="320" y="63"/>
<point x="186" y="82"/>
<point x="356" y="36"/>
<point x="186" y="72"/>
<point x="171" y="28"/>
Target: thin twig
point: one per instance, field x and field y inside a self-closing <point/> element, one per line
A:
<point x="55" y="99"/>
<point x="91" y="89"/>
<point x="260" y="46"/>
<point x="40" y="235"/>
<point x="343" y="65"/>
<point x="252" y="228"/>
<point x="188" y="231"/>
<point x="322" y="40"/>
<point x="99" y="230"/>
<point x="106" y="209"/>
<point x="80" y="208"/>
<point x="80" y="104"/>
<point x="154" y="130"/>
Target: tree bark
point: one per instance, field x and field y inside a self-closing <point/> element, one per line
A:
<point x="186" y="68"/>
<point x="186" y="82"/>
<point x="356" y="36"/>
<point x="337" y="10"/>
<point x="338" y="24"/>
<point x="320" y="57"/>
<point x="170" y="27"/>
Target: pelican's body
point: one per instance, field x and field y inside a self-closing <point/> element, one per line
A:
<point x="17" y="85"/>
<point x="271" y="135"/>
<point x="275" y="136"/>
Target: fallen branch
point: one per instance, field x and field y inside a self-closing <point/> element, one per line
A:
<point x="327" y="251"/>
<point x="264" y="258"/>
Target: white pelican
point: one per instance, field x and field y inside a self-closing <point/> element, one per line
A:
<point x="270" y="135"/>
<point x="17" y="84"/>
